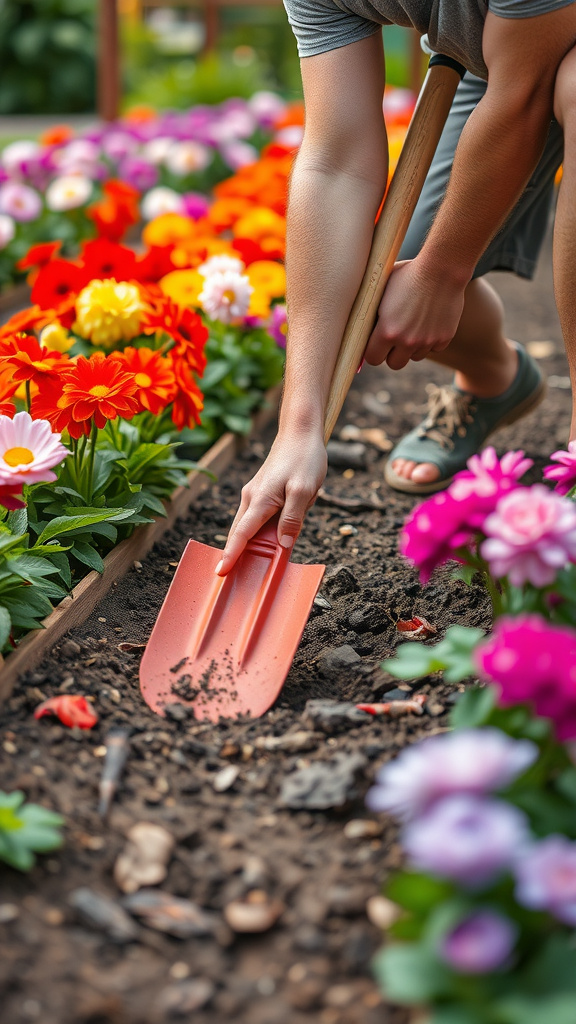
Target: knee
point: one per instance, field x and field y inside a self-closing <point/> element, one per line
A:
<point x="565" y="91"/>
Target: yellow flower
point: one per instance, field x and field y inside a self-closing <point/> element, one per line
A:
<point x="259" y="304"/>
<point x="260" y="223"/>
<point x="169" y="229"/>
<point x="56" y="338"/>
<point x="183" y="286"/>
<point x="108" y="312"/>
<point x="268" y="276"/>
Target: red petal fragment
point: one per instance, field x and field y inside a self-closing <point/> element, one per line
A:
<point x="417" y="626"/>
<point x="72" y="710"/>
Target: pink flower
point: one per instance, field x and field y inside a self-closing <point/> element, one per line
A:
<point x="533" y="662"/>
<point x="480" y="943"/>
<point x="450" y="520"/>
<point x="546" y="878"/>
<point x="565" y="473"/>
<point x="20" y="201"/>
<point x="278" y="326"/>
<point x="531" y="535"/>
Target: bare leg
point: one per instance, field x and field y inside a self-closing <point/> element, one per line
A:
<point x="565" y="225"/>
<point x="484" y="361"/>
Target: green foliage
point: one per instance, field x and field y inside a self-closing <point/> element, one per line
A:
<point x="47" y="55"/>
<point x="452" y="656"/>
<point x="26" y="829"/>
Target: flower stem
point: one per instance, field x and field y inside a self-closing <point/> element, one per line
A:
<point x="28" y="396"/>
<point x="495" y="595"/>
<point x="93" y="436"/>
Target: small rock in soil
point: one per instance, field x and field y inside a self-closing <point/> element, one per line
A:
<point x="166" y="913"/>
<point x="372" y="404"/>
<point x="398" y="694"/>
<point x="345" y="900"/>
<point x="323" y="785"/>
<point x="70" y="649"/>
<point x="332" y="715"/>
<point x="104" y="914"/>
<point x="145" y="857"/>
<point x="225" y="778"/>
<point x="176" y="712"/>
<point x="434" y="708"/>
<point x="182" y="999"/>
<point x="368" y="618"/>
<point x="291" y="743"/>
<point x="8" y="912"/>
<point x="257" y="913"/>
<point x="339" y="581"/>
<point x="382" y="912"/>
<point x="334" y="659"/>
<point x="362" y="828"/>
<point x="347" y="455"/>
<point x="323" y="603"/>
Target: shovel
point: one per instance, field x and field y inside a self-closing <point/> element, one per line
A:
<point x="224" y="645"/>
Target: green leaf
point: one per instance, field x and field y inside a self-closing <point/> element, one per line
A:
<point x="459" y="1015"/>
<point x="409" y="973"/>
<point x="464" y="573"/>
<point x="18" y="521"/>
<point x="453" y="656"/>
<point x="417" y="892"/>
<point x="238" y="424"/>
<point x="473" y="707"/>
<point x="5" y="626"/>
<point x="90" y="517"/>
<point x="88" y="555"/>
<point x="558" y="1009"/>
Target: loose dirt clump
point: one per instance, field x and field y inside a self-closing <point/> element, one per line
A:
<point x="283" y="840"/>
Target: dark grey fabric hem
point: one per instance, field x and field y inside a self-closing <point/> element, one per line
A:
<point x="506" y="261"/>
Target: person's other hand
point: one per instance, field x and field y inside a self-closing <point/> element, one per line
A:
<point x="417" y="316"/>
<point x="289" y="481"/>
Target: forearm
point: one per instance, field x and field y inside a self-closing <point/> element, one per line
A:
<point x="497" y="153"/>
<point x="330" y="227"/>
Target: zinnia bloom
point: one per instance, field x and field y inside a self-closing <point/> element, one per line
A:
<point x="97" y="389"/>
<point x="434" y="532"/>
<point x="8" y="388"/>
<point x="104" y="259"/>
<point x="108" y="312"/>
<point x="153" y="376"/>
<point x="546" y="878"/>
<point x="531" y="535"/>
<point x="226" y="296"/>
<point x="471" y="761"/>
<point x="189" y="400"/>
<point x="117" y="211"/>
<point x="28" y="451"/>
<point x="57" y="280"/>
<point x="28" y="360"/>
<point x="480" y="943"/>
<point x="20" y="201"/>
<point x="565" y="473"/>
<point x="186" y="329"/>
<point x="533" y="662"/>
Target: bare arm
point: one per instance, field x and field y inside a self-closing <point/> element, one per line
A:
<point x="337" y="186"/>
<point x="498" y="150"/>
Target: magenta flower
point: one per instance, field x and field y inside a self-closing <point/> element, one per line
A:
<point x="140" y="173"/>
<point x="487" y="476"/>
<point x="480" y="943"/>
<point x="546" y="878"/>
<point x="531" y="536"/>
<point x="467" y="839"/>
<point x="20" y="201"/>
<point x="278" y="326"/>
<point x="473" y="761"/>
<point x="533" y="662"/>
<point x="565" y="473"/>
<point x="195" y="205"/>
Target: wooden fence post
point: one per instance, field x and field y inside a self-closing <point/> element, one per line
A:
<point x="108" y="60"/>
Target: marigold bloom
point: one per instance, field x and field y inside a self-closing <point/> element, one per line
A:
<point x="57" y="281"/>
<point x="224" y="213"/>
<point x="97" y="389"/>
<point x="183" y="286"/>
<point x="261" y="223"/>
<point x="268" y="276"/>
<point x="55" y="338"/>
<point x="168" y="229"/>
<point x="103" y="259"/>
<point x="153" y="376"/>
<point x="184" y="326"/>
<point x="189" y="401"/>
<point x="28" y="450"/>
<point x="26" y="360"/>
<point x="108" y="312"/>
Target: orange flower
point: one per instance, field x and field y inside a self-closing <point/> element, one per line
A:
<point x="268" y="276"/>
<point x="117" y="211"/>
<point x="183" y="286"/>
<point x="8" y="388"/>
<point x="26" y="320"/>
<point x="93" y="390"/>
<point x="26" y="359"/>
<point x="184" y="326"/>
<point x="261" y="223"/>
<point x="153" y="376"/>
<point x="294" y="115"/>
<point x="140" y="114"/>
<point x="57" y="135"/>
<point x="224" y="213"/>
<point x="189" y="400"/>
<point x="48" y="404"/>
<point x="168" y="229"/>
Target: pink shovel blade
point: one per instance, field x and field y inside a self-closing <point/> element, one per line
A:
<point x="225" y="645"/>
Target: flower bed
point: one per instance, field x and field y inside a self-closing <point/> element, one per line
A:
<point x="481" y="923"/>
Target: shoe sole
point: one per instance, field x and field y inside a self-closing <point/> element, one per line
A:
<point x="399" y="483"/>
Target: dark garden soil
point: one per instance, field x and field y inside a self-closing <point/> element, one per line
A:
<point x="313" y="964"/>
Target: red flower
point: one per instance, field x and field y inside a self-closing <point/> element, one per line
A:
<point x="71" y="709"/>
<point x="97" y="388"/>
<point x="189" y="400"/>
<point x="11" y="494"/>
<point x="184" y="326"/>
<point x="249" y="251"/>
<point x="26" y="359"/>
<point x="153" y="376"/>
<point x="103" y="258"/>
<point x="117" y="211"/>
<point x="58" y="281"/>
<point x="156" y="263"/>
<point x="37" y="257"/>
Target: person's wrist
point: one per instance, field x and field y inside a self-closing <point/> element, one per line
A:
<point x="300" y="420"/>
<point x="440" y="272"/>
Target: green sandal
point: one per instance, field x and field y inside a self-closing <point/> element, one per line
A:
<point x="458" y="424"/>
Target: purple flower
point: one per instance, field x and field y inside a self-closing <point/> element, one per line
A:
<point x="267" y="108"/>
<point x="473" y="761"/>
<point x="118" y="144"/>
<point x="439" y="526"/>
<point x="278" y="326"/>
<point x="20" y="201"/>
<point x="531" y="535"/>
<point x="196" y="205"/>
<point x="565" y="473"/>
<point x="238" y="154"/>
<point x="546" y="878"/>
<point x="139" y="173"/>
<point x="480" y="943"/>
<point x="467" y="839"/>
<point x="533" y="662"/>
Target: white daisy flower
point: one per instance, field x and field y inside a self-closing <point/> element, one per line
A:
<point x="28" y="450"/>
<point x="68" y="192"/>
<point x="219" y="264"/>
<point x="226" y="296"/>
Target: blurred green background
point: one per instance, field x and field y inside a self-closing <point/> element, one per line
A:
<point x="48" y="55"/>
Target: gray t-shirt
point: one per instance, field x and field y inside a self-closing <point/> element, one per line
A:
<point x="451" y="27"/>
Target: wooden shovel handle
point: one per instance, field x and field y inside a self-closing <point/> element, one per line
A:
<point x="419" y="147"/>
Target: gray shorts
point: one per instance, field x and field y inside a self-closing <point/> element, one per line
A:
<point x="517" y="245"/>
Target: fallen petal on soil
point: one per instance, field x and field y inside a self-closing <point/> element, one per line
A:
<point x="395" y="708"/>
<point x="256" y="913"/>
<point x="144" y="858"/>
<point x="415" y="627"/>
<point x="73" y="710"/>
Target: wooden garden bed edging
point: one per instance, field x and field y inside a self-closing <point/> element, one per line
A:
<point x="77" y="606"/>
